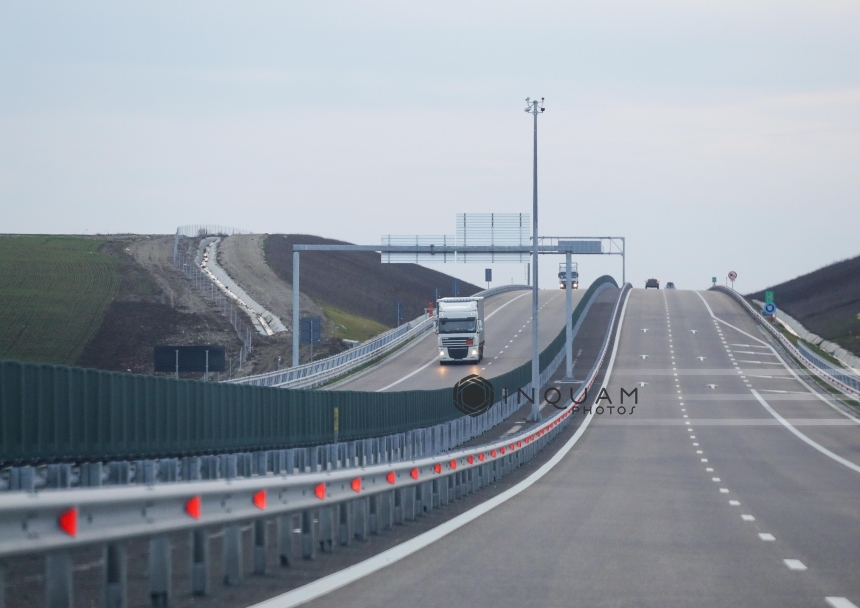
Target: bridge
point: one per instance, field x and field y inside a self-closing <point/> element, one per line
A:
<point x="700" y="454"/>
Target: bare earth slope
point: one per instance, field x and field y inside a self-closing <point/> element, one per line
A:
<point x="358" y="282"/>
<point x="826" y="301"/>
<point x="242" y="256"/>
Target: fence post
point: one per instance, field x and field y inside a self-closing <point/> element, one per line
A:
<point x="232" y="555"/>
<point x="285" y="539"/>
<point x="160" y="570"/>
<point x="58" y="580"/>
<point x="199" y="562"/>
<point x="309" y="540"/>
<point x="260" y="534"/>
<point x="115" y="568"/>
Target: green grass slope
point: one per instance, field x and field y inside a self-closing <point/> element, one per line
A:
<point x="826" y="301"/>
<point x="54" y="291"/>
<point x="357" y="282"/>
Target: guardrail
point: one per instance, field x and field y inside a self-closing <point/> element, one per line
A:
<point x="805" y="356"/>
<point x="836" y="373"/>
<point x="134" y="433"/>
<point x="319" y="372"/>
<point x="333" y="507"/>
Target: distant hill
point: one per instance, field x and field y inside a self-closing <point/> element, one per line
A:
<point x="826" y="301"/>
<point x="358" y="282"/>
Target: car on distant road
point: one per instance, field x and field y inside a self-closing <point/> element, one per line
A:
<point x="670" y="285"/>
<point x="652" y="283"/>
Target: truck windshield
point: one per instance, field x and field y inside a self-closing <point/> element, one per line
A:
<point x="457" y="326"/>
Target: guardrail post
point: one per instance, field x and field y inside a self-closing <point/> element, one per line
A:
<point x="58" y="580"/>
<point x="232" y="555"/>
<point x="398" y="506"/>
<point x="260" y="537"/>
<point x="199" y="562"/>
<point x="309" y="539"/>
<point x="160" y="558"/>
<point x="169" y="469"/>
<point x="191" y="468"/>
<point x="373" y="513"/>
<point x="285" y="539"/>
<point x="345" y="518"/>
<point x="59" y="475"/>
<point x="144" y="471"/>
<point x="361" y="525"/>
<point x="91" y="474"/>
<point x="386" y="510"/>
<point x="327" y="529"/>
<point x="115" y="569"/>
<point x="409" y="503"/>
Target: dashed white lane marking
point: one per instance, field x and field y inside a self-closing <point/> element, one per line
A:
<point x="704" y="460"/>
<point x="839" y="602"/>
<point x="715" y="479"/>
<point x="746" y="517"/>
<point x="735" y="503"/>
<point x="766" y="536"/>
<point x="724" y="490"/>
<point x="794" y="564"/>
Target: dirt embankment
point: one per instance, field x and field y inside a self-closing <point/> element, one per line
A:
<point x="358" y="282"/>
<point x="156" y="304"/>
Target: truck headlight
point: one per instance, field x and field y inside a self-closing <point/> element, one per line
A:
<point x="441" y="353"/>
<point x="474" y="352"/>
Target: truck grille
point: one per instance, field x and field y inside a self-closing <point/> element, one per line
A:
<point x="455" y="341"/>
<point x="458" y="353"/>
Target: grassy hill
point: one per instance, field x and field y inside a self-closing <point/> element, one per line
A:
<point x="357" y="282"/>
<point x="826" y="301"/>
<point x="54" y="291"/>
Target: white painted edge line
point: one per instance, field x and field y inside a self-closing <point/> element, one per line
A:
<point x="781" y="360"/>
<point x="434" y="360"/>
<point x="334" y="581"/>
<point x="803" y="437"/>
<point x="839" y="602"/>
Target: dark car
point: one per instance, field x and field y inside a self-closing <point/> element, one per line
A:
<point x="670" y="285"/>
<point x="652" y="283"/>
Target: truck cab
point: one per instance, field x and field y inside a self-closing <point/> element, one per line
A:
<point x="460" y="329"/>
<point x="562" y="275"/>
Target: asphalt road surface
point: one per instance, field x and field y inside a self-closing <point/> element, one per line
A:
<point x="733" y="484"/>
<point x="508" y="345"/>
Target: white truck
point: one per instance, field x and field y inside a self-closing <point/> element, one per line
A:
<point x="460" y="326"/>
<point x="562" y="275"/>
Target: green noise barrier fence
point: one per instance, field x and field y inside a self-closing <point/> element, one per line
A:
<point x="51" y="413"/>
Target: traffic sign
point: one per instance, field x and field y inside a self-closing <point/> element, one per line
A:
<point x="733" y="275"/>
<point x="769" y="308"/>
<point x="714" y="280"/>
<point x="768" y="297"/>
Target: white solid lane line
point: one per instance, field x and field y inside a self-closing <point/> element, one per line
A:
<point x="803" y="437"/>
<point x="409" y="375"/>
<point x="794" y="564"/>
<point x="779" y="358"/>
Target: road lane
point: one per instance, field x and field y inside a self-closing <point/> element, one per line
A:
<point x="508" y="345"/>
<point x="719" y="508"/>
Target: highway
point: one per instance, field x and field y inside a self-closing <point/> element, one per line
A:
<point x="733" y="484"/>
<point x="508" y="345"/>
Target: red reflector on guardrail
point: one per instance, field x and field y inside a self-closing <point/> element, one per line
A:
<point x="438" y="468"/>
<point x="532" y="438"/>
<point x="319" y="491"/>
<point x="502" y="450"/>
<point x="493" y="453"/>
<point x="260" y="500"/>
<point x="356" y="484"/>
<point x="192" y="507"/>
<point x="453" y="464"/>
<point x="519" y="444"/>
<point x="470" y="460"/>
<point x="511" y="447"/>
<point x="391" y="477"/>
<point x="69" y="521"/>
<point x="414" y="473"/>
<point x="481" y="457"/>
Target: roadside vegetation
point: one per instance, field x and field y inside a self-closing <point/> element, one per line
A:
<point x="352" y="327"/>
<point x="54" y="291"/>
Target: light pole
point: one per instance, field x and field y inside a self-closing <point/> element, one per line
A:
<point x="535" y="107"/>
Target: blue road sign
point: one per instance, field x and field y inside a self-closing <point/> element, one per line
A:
<point x="769" y="308"/>
<point x="488" y="274"/>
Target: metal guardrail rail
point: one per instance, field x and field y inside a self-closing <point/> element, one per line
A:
<point x="333" y="506"/>
<point x="320" y="372"/>
<point x="816" y="364"/>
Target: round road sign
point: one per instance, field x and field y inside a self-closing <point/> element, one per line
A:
<point x="769" y="308"/>
<point x="733" y="275"/>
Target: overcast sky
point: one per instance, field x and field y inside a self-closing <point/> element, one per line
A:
<point x="714" y="136"/>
